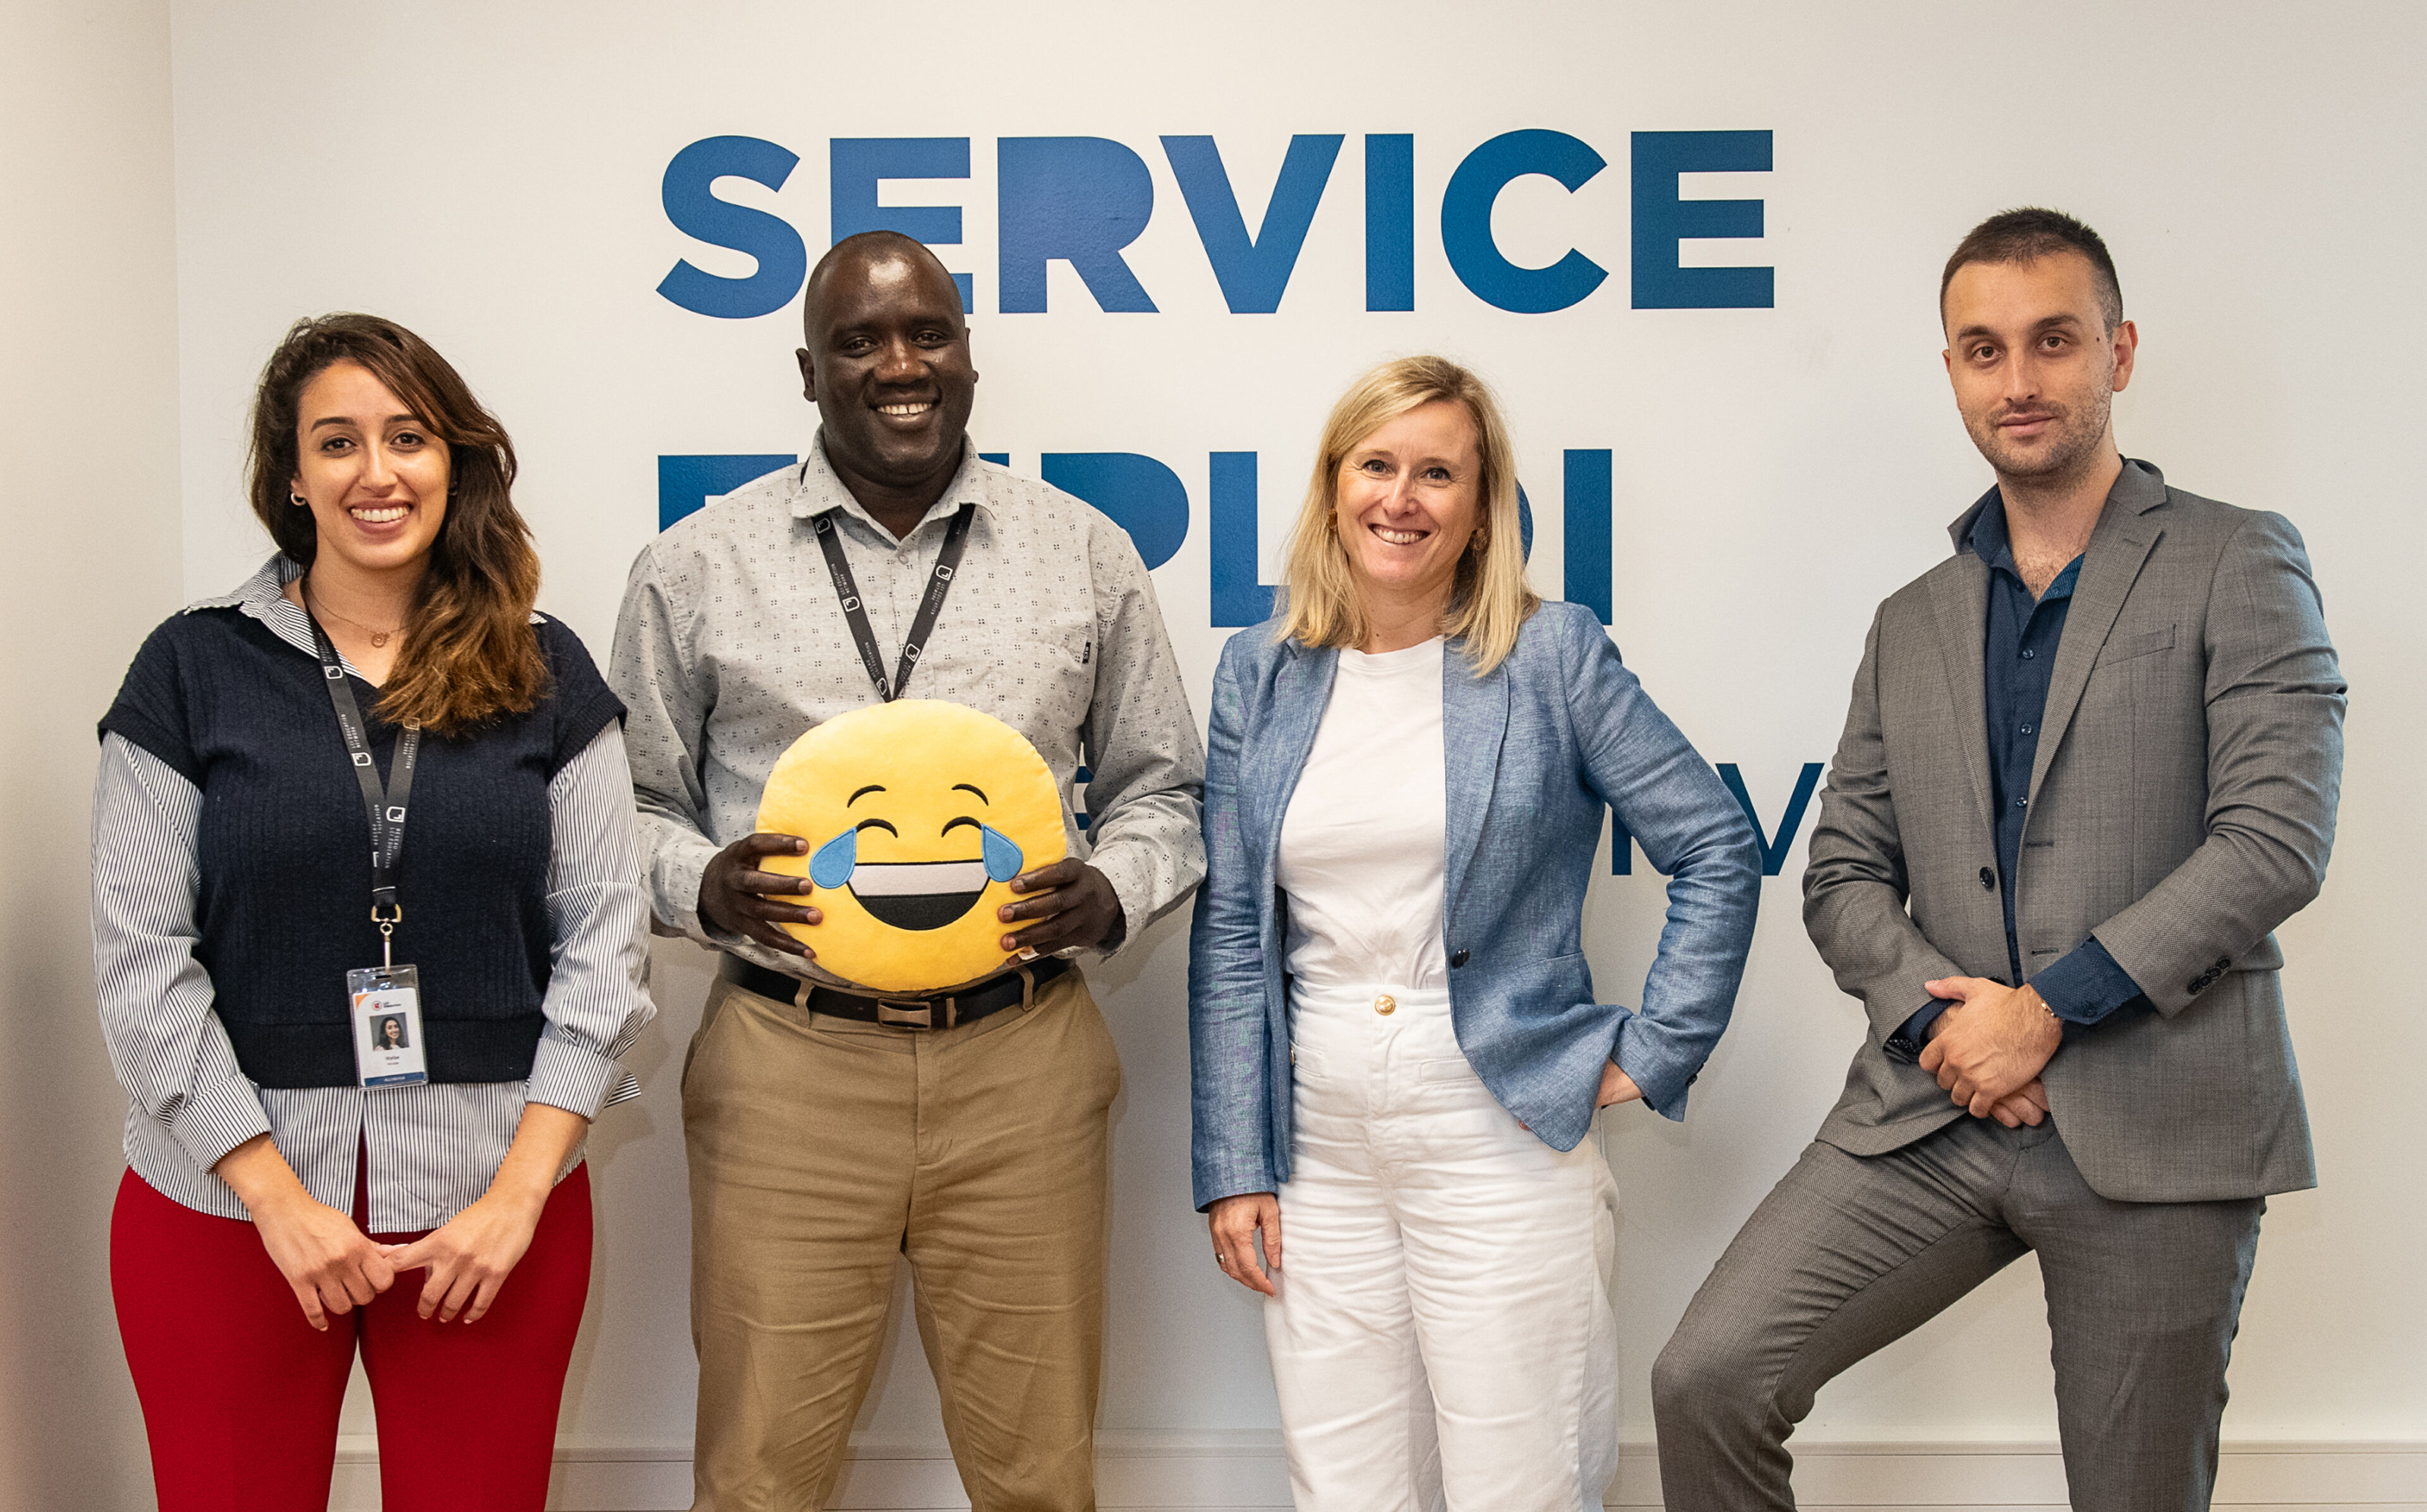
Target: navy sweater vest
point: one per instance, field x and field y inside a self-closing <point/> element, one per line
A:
<point x="284" y="902"/>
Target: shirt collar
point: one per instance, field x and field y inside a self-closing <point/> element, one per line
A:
<point x="1989" y="542"/>
<point x="2138" y="489"/>
<point x="817" y="490"/>
<point x="262" y="596"/>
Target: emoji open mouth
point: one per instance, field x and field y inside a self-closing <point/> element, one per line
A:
<point x="917" y="894"/>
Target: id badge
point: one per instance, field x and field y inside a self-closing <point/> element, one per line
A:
<point x="386" y="1011"/>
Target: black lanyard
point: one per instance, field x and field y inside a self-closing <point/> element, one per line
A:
<point x="385" y="804"/>
<point x="939" y="582"/>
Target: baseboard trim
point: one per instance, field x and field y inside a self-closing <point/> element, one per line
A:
<point x="1245" y="1473"/>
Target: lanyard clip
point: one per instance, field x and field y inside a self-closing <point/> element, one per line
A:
<point x="387" y="932"/>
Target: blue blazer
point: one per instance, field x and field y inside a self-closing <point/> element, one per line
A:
<point x="1535" y="750"/>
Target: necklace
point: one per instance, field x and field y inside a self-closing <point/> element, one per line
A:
<point x="379" y="638"/>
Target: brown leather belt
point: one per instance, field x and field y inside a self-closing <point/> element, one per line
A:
<point x="1006" y="990"/>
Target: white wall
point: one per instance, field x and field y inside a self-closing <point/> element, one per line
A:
<point x="490" y="176"/>
<point x="89" y="505"/>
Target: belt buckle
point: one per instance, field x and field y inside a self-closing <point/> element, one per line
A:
<point x="904" y="1015"/>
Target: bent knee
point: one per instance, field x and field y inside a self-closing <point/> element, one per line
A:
<point x="1706" y="1374"/>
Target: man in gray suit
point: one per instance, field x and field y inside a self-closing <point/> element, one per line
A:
<point x="2091" y="762"/>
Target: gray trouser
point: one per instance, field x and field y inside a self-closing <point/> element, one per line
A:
<point x="1850" y="1253"/>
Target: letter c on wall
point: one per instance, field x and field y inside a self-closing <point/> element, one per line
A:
<point x="1466" y="221"/>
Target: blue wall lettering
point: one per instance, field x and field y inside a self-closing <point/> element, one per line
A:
<point x="1240" y="597"/>
<point x="1077" y="199"/>
<point x="783" y="262"/>
<point x="1586" y="511"/>
<point x="1391" y="222"/>
<point x="1466" y="221"/>
<point x="1662" y="220"/>
<point x="1252" y="270"/>
<point x="1143" y="496"/>
<point x="1774" y="851"/>
<point x="685" y="484"/>
<point x="859" y="165"/>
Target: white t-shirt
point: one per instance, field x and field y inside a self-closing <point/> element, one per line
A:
<point x="1360" y="848"/>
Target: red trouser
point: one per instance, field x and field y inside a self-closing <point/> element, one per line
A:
<point x="240" y="1394"/>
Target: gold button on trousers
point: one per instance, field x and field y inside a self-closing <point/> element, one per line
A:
<point x="823" y="1148"/>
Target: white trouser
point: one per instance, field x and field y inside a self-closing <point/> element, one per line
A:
<point x="1443" y="1333"/>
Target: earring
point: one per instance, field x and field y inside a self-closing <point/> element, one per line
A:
<point x="298" y="500"/>
<point x="1475" y="542"/>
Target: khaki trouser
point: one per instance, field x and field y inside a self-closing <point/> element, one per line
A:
<point x="820" y="1148"/>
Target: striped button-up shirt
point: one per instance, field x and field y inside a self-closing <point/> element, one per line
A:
<point x="433" y="1148"/>
<point x="732" y="644"/>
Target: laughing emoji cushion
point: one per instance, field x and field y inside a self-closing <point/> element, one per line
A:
<point x="918" y="813"/>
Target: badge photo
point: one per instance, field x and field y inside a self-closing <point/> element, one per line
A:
<point x="385" y="1007"/>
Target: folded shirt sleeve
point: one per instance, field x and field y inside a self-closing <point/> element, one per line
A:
<point x="597" y="999"/>
<point x="166" y="1043"/>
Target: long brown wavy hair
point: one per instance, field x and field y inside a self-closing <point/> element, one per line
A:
<point x="470" y="652"/>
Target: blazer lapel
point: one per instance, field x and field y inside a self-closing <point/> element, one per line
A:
<point x="1960" y="595"/>
<point x="2110" y="566"/>
<point x="1475" y="719"/>
<point x="1277" y="751"/>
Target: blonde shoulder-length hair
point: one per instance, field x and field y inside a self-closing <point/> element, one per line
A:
<point x="1488" y="600"/>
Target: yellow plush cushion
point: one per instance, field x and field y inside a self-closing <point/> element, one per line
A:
<point x="918" y="813"/>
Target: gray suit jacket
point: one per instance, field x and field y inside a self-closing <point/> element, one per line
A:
<point x="2182" y="804"/>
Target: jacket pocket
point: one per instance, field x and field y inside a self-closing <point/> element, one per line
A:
<point x="2124" y="648"/>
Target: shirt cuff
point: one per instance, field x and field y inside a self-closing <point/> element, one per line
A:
<point x="1132" y="887"/>
<point x="1660" y="1078"/>
<point x="221" y="1114"/>
<point x="2086" y="986"/>
<point x="675" y="879"/>
<point x="572" y="1077"/>
<point x="1906" y="1043"/>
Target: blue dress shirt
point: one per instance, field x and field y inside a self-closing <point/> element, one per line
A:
<point x="2018" y="653"/>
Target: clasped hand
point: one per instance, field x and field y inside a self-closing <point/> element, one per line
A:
<point x="470" y="1256"/>
<point x="1066" y="905"/>
<point x="1988" y="1047"/>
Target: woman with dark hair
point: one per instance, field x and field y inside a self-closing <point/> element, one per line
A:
<point x="370" y="775"/>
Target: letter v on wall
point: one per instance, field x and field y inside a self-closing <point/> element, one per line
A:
<point x="1253" y="270"/>
<point x="1774" y="851"/>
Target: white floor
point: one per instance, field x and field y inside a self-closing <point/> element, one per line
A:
<point x="1238" y="1473"/>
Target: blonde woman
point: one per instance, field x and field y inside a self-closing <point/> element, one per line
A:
<point x="1397" y="1052"/>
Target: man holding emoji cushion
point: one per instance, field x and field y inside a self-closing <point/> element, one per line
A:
<point x="939" y="1088"/>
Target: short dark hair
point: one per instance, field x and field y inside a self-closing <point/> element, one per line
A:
<point x="2028" y="234"/>
<point x="875" y="247"/>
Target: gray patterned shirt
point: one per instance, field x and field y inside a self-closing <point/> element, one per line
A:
<point x="732" y="644"/>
